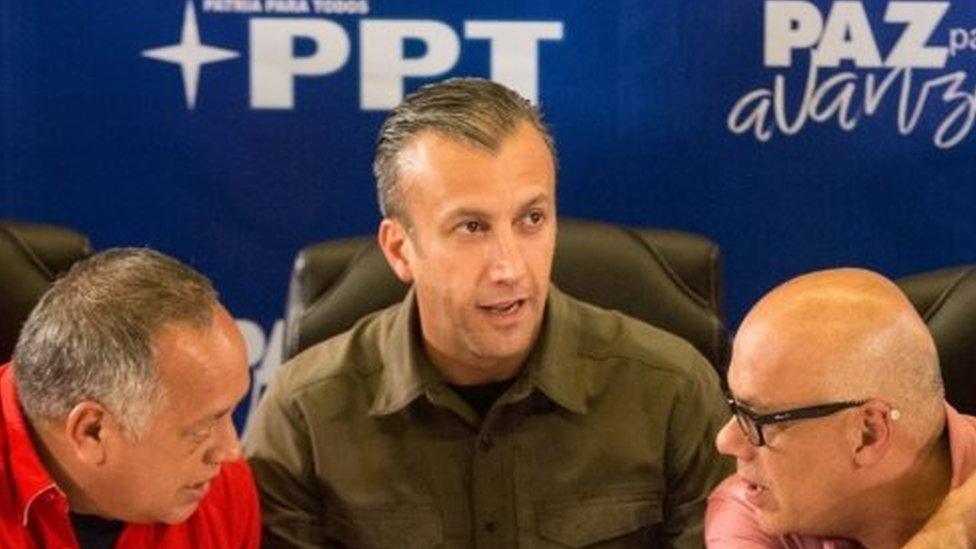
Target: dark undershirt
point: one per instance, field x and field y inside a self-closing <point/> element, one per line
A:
<point x="481" y="397"/>
<point x="95" y="532"/>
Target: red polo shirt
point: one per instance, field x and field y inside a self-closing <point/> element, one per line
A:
<point x="34" y="512"/>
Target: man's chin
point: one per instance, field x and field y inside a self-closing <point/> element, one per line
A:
<point x="179" y="515"/>
<point x="776" y="524"/>
<point x="504" y="349"/>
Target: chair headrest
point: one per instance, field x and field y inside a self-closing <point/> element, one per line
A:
<point x="32" y="255"/>
<point x="946" y="301"/>
<point x="668" y="278"/>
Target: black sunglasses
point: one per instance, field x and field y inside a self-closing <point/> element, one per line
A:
<point x="752" y="423"/>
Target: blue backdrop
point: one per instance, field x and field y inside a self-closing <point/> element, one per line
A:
<point x="230" y="133"/>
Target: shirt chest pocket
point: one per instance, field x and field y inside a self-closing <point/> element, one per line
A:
<point x="626" y="520"/>
<point x="394" y="526"/>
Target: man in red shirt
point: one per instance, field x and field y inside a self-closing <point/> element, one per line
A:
<point x="115" y="414"/>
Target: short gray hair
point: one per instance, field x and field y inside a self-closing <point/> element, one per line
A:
<point x="91" y="335"/>
<point x="476" y="111"/>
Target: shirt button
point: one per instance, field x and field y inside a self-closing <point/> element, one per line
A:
<point x="490" y="526"/>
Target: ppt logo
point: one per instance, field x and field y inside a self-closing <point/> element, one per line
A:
<point x="274" y="66"/>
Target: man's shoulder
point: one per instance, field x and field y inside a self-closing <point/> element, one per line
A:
<point x="20" y="468"/>
<point x="610" y="334"/>
<point x="232" y="499"/>
<point x="349" y="356"/>
<point x="731" y="521"/>
<point x="228" y="516"/>
<point x="733" y="491"/>
<point x="7" y="457"/>
<point x="966" y="422"/>
<point x="961" y="430"/>
<point x="232" y="489"/>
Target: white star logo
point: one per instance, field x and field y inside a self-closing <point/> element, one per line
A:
<point x="190" y="54"/>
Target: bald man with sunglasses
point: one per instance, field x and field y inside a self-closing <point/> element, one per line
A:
<point x="840" y="429"/>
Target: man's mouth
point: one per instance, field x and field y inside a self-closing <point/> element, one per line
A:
<point x="202" y="486"/>
<point x="199" y="490"/>
<point x="503" y="308"/>
<point x="755" y="488"/>
<point x="754" y="491"/>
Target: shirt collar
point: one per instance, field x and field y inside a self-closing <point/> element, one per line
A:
<point x="962" y="445"/>
<point x="29" y="477"/>
<point x="552" y="367"/>
<point x="406" y="371"/>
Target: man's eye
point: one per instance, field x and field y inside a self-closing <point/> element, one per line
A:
<point x="203" y="434"/>
<point x="533" y="220"/>
<point x="471" y="226"/>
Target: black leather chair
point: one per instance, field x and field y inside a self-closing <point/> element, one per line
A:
<point x="946" y="300"/>
<point x="32" y="255"/>
<point x="670" y="279"/>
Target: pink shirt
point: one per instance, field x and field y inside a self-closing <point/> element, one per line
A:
<point x="730" y="520"/>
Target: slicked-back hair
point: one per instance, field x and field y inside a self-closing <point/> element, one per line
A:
<point x="475" y="111"/>
<point x="91" y="335"/>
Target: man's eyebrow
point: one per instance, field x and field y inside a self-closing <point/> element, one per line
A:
<point x="463" y="211"/>
<point x="210" y="418"/>
<point x="744" y="402"/>
<point x="535" y="200"/>
<point x="466" y="211"/>
<point x="222" y="413"/>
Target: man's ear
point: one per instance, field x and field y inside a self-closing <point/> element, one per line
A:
<point x="874" y="431"/>
<point x="397" y="248"/>
<point x="86" y="427"/>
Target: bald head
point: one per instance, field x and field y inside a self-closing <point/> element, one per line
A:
<point x="843" y="334"/>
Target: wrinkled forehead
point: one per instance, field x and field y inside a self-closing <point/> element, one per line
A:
<point x="192" y="357"/>
<point x="775" y="366"/>
<point x="815" y="335"/>
<point x="437" y="167"/>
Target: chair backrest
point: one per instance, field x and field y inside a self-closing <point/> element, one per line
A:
<point x="670" y="279"/>
<point x="946" y="300"/>
<point x="32" y="255"/>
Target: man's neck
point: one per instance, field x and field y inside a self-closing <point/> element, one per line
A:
<point x="902" y="507"/>
<point x="57" y="462"/>
<point x="472" y="370"/>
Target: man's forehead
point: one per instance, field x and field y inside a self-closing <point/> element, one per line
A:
<point x="432" y="146"/>
<point x="806" y="334"/>
<point x="453" y="174"/>
<point x="196" y="355"/>
<point x="205" y="375"/>
<point x="771" y="367"/>
<point x="444" y="144"/>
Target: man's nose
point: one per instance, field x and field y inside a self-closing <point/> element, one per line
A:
<point x="227" y="447"/>
<point x="508" y="260"/>
<point x="731" y="441"/>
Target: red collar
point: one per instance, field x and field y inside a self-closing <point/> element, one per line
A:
<point x="29" y="478"/>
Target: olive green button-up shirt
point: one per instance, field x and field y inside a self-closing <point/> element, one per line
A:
<point x="604" y="440"/>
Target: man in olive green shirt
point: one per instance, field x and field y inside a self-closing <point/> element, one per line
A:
<point x="487" y="409"/>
